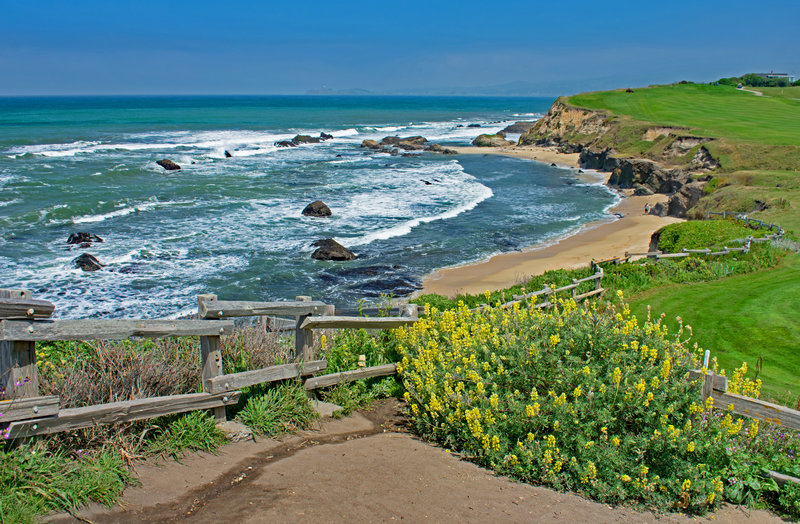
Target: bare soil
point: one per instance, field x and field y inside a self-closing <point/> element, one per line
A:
<point x="365" y="468"/>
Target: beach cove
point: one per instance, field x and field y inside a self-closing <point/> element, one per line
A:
<point x="629" y="230"/>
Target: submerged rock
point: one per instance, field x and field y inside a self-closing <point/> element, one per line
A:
<point x="329" y="249"/>
<point x="87" y="262"/>
<point x="317" y="208"/>
<point x="168" y="164"/>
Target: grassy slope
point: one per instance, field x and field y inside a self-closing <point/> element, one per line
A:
<point x="742" y="318"/>
<point x="758" y="140"/>
<point x="716" y="111"/>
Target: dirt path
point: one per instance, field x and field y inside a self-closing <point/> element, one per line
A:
<point x="365" y="468"/>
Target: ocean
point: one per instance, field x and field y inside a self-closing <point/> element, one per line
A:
<point x="233" y="226"/>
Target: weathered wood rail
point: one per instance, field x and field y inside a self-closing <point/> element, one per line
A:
<point x="716" y="387"/>
<point x="25" y="321"/>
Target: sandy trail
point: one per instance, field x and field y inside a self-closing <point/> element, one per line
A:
<point x="365" y="468"/>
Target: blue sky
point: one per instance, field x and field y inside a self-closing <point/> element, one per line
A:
<point x="204" y="47"/>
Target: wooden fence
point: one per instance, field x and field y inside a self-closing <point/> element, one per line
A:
<point x="25" y="321"/>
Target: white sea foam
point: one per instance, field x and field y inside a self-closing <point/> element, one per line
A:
<point x="126" y="210"/>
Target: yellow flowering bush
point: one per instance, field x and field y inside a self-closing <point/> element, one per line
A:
<point x="576" y="398"/>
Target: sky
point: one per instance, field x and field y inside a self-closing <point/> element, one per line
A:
<point x="148" y="47"/>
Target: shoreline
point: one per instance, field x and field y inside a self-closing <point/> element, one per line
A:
<point x="594" y="241"/>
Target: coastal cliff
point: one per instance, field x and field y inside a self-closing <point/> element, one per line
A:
<point x="640" y="156"/>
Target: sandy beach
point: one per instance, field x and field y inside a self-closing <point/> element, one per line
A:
<point x="548" y="155"/>
<point x="596" y="241"/>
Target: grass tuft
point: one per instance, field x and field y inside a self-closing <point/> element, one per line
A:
<point x="282" y="409"/>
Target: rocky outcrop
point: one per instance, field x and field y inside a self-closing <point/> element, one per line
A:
<point x="228" y="154"/>
<point x="491" y="141"/>
<point x="411" y="143"/>
<point x="317" y="208"/>
<point x="438" y="148"/>
<point x="702" y="159"/>
<point x="393" y="145"/>
<point x="329" y="249"/>
<point x="563" y="121"/>
<point x="83" y="239"/>
<point x="168" y="164"/>
<point x="603" y="160"/>
<point x="519" y="128"/>
<point x="683" y="144"/>
<point x="304" y="139"/>
<point x="87" y="262"/>
<point x="474" y="125"/>
<point x="686" y="198"/>
<point x="637" y="171"/>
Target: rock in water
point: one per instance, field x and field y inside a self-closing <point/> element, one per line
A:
<point x="329" y="249"/>
<point x="370" y="144"/>
<point x="317" y="209"/>
<point x="228" y="154"/>
<point x="87" y="262"/>
<point x="168" y="164"/>
<point x="83" y="238"/>
<point x="325" y="136"/>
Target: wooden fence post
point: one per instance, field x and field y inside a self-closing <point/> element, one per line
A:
<point x="18" y="373"/>
<point x="304" y="338"/>
<point x="211" y="358"/>
<point x="575" y="289"/>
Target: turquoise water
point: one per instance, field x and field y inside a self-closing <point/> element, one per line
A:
<point x="232" y="226"/>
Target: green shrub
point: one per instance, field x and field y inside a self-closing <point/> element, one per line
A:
<point x="700" y="234"/>
<point x="577" y="399"/>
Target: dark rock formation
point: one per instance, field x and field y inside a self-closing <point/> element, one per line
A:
<point x="329" y="249"/>
<point x="685" y="199"/>
<point x="83" y="238"/>
<point x="317" y="209"/>
<point x="411" y="143"/>
<point x="228" y="154"/>
<point x="659" y="210"/>
<point x="519" y="128"/>
<point x="87" y="262"/>
<point x="655" y="238"/>
<point x="491" y="141"/>
<point x="703" y="160"/>
<point x="474" y="125"/>
<point x="305" y="139"/>
<point x="438" y="148"/>
<point x="601" y="160"/>
<point x="370" y="144"/>
<point x="168" y="164"/>
<point x="640" y="190"/>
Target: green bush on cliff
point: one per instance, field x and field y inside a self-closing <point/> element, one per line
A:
<point x="700" y="234"/>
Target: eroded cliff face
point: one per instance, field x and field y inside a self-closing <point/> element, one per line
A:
<point x="676" y="166"/>
<point x="562" y="122"/>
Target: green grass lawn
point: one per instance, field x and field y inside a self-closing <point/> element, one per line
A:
<point x="740" y="319"/>
<point x="716" y="111"/>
